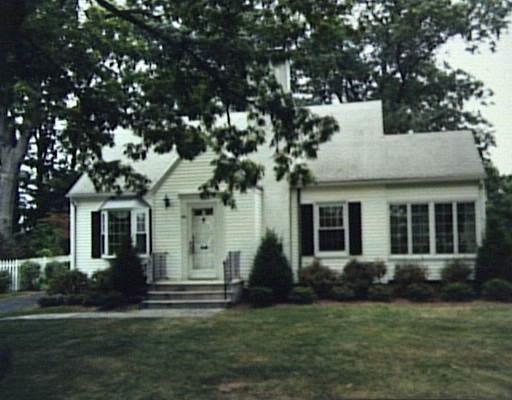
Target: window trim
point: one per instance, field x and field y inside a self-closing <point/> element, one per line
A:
<point x="432" y="228"/>
<point x="316" y="224"/>
<point x="133" y="228"/>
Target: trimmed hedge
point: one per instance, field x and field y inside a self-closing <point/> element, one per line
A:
<point x="342" y="293"/>
<point x="457" y="291"/>
<point x="302" y="295"/>
<point x="497" y="289"/>
<point x="261" y="296"/>
<point x="51" y="301"/>
<point x="54" y="268"/>
<point x="419" y="292"/>
<point x="406" y="275"/>
<point x="380" y="293"/>
<point x="69" y="282"/>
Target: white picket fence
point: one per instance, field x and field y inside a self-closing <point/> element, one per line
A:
<point x="13" y="267"/>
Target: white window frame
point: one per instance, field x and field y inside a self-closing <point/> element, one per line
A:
<point x="133" y="229"/>
<point x="432" y="228"/>
<point x="317" y="227"/>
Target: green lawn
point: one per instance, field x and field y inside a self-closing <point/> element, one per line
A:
<point x="341" y="351"/>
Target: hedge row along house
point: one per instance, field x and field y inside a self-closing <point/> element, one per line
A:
<point x="397" y="198"/>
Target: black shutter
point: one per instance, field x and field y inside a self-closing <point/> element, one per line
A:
<point x="355" y="229"/>
<point x="307" y="230"/>
<point x="150" y="232"/>
<point x="96" y="234"/>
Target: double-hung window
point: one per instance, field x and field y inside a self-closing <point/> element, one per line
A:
<point x="433" y="228"/>
<point x="119" y="225"/>
<point x="331" y="227"/>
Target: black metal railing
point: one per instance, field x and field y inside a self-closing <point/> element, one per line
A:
<point x="231" y="270"/>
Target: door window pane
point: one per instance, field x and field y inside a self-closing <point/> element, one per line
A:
<point x="420" y="229"/>
<point x="444" y="228"/>
<point x="398" y="224"/>
<point x="466" y="227"/>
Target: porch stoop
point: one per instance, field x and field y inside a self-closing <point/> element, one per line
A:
<point x="192" y="294"/>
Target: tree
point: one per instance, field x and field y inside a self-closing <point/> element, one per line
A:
<point x="387" y="50"/>
<point x="82" y="71"/>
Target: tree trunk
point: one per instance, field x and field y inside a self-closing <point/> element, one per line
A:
<point x="9" y="175"/>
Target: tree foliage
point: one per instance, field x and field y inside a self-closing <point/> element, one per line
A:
<point x="373" y="49"/>
<point x="80" y="70"/>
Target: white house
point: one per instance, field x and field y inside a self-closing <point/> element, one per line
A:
<point x="397" y="198"/>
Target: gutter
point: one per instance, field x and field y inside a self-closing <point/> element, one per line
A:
<point x="73" y="242"/>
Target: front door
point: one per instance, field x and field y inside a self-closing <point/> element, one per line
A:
<point x="202" y="245"/>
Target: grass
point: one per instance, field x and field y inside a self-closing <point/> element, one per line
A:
<point x="285" y="352"/>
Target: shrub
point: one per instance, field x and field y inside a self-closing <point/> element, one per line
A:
<point x="318" y="277"/>
<point x="54" y="268"/>
<point x="69" y="282"/>
<point x="5" y="281"/>
<point x="302" y="295"/>
<point x="260" y="296"/>
<point x="342" y="293"/>
<point x="127" y="271"/>
<point x="360" y="275"/>
<point x="406" y="275"/>
<point x="271" y="268"/>
<point x="30" y="273"/>
<point x="457" y="291"/>
<point x="94" y="299"/>
<point x="495" y="255"/>
<point x="51" y="301"/>
<point x="497" y="289"/>
<point x="101" y="281"/>
<point x="380" y="293"/>
<point x="112" y="300"/>
<point x="419" y="292"/>
<point x="74" y="299"/>
<point x="456" y="271"/>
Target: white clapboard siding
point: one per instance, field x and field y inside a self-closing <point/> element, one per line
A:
<point x="375" y="200"/>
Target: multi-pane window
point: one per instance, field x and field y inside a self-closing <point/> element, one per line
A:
<point x="117" y="225"/>
<point x="119" y="228"/>
<point x="450" y="226"/>
<point x="331" y="230"/>
<point x="420" y="229"/>
<point x="444" y="228"/>
<point x="140" y="232"/>
<point x="399" y="232"/>
<point x="466" y="227"/>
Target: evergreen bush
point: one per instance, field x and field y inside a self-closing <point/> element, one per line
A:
<point x="318" y="277"/>
<point x="406" y="275"/>
<point x="361" y="275"/>
<point x="271" y="268"/>
<point x="456" y="271"/>
<point x="457" y="291"/>
<point x="302" y="295"/>
<point x="127" y="272"/>
<point x="497" y="290"/>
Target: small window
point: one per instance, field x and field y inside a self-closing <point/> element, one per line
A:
<point x="420" y="229"/>
<point x="140" y="233"/>
<point x="331" y="230"/>
<point x="398" y="224"/>
<point x="118" y="230"/>
<point x="444" y="228"/>
<point x="466" y="227"/>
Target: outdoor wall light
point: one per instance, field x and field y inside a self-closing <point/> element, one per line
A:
<point x="167" y="201"/>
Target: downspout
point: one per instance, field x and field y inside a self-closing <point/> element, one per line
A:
<point x="299" y="227"/>
<point x="73" y="241"/>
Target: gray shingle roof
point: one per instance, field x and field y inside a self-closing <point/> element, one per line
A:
<point x="359" y="152"/>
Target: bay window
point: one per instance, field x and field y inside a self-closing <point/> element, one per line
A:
<point x="433" y="228"/>
<point x="117" y="225"/>
<point x="331" y="228"/>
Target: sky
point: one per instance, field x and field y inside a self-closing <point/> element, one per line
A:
<point x="495" y="71"/>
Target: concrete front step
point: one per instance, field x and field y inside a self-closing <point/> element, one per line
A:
<point x="212" y="295"/>
<point x="192" y="304"/>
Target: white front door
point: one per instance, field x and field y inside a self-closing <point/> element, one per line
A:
<point x="202" y="244"/>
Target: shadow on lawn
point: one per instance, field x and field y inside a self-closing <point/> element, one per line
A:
<point x="5" y="362"/>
